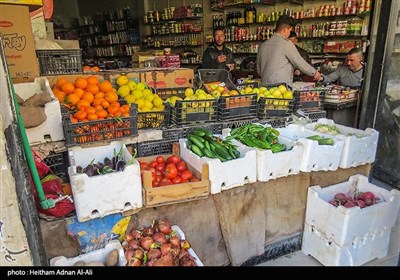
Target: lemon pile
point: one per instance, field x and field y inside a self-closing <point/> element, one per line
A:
<point x="140" y="94"/>
<point x="273" y="94"/>
<point x="191" y="94"/>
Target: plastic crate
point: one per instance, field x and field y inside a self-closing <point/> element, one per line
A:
<point x="101" y="130"/>
<point x="274" y="107"/>
<point x="215" y="75"/>
<point x="181" y="132"/>
<point x="277" y="122"/>
<point x="58" y="164"/>
<point x="55" y="62"/>
<point x="158" y="147"/>
<point x="153" y="119"/>
<point x="315" y="116"/>
<point x="238" y="123"/>
<point x="245" y="85"/>
<point x="310" y="100"/>
<point x="165" y="93"/>
<point x="237" y="107"/>
<point x="194" y="111"/>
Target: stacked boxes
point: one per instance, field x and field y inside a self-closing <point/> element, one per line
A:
<point x="349" y="236"/>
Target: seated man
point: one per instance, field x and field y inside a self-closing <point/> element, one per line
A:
<point x="351" y="73"/>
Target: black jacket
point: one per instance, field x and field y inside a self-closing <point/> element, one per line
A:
<point x="210" y="57"/>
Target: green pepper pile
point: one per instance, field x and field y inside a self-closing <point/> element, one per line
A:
<point x="258" y="136"/>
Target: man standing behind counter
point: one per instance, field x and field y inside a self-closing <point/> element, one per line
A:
<point x="351" y="73"/>
<point x="277" y="57"/>
<point x="217" y="55"/>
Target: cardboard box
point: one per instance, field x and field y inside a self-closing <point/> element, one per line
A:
<point x="112" y="75"/>
<point x="16" y="29"/>
<point x="138" y="59"/>
<point x="32" y="4"/>
<point x="176" y="193"/>
<point x="168" y="77"/>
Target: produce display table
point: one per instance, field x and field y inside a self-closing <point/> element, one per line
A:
<point x="243" y="225"/>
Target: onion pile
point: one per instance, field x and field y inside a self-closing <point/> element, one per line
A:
<point x="156" y="245"/>
<point x="360" y="199"/>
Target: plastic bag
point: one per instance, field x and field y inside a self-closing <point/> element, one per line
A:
<point x="42" y="168"/>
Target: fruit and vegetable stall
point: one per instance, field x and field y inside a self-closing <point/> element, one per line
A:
<point x="158" y="167"/>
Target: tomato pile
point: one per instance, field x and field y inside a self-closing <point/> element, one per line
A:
<point x="169" y="171"/>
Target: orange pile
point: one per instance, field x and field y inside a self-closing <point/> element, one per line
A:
<point x="92" y="99"/>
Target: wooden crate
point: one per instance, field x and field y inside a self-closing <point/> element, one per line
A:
<point x="174" y="193"/>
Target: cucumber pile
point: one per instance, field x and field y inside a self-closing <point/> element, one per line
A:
<point x="321" y="140"/>
<point x="203" y="143"/>
<point x="258" y="136"/>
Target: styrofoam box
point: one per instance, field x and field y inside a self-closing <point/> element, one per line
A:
<point x="327" y="252"/>
<point x="346" y="226"/>
<point x="99" y="255"/>
<point x="191" y="252"/>
<point x="359" y="145"/>
<point x="315" y="157"/>
<point x="275" y="165"/>
<point x="105" y="194"/>
<point x="51" y="129"/>
<point x="224" y="175"/>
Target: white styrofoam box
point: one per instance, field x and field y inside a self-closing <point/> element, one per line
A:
<point x="350" y="225"/>
<point x="315" y="157"/>
<point x="191" y="252"/>
<point x="51" y="129"/>
<point x="327" y="252"/>
<point x="99" y="255"/>
<point x="359" y="145"/>
<point x="275" y="165"/>
<point x="105" y="194"/>
<point x="224" y="175"/>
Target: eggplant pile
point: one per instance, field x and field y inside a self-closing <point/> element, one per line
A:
<point x="117" y="163"/>
<point x="157" y="245"/>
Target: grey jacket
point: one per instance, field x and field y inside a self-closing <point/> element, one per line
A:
<point x="345" y="77"/>
<point x="276" y="60"/>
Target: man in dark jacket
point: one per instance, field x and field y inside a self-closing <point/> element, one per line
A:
<point x="217" y="55"/>
<point x="298" y="76"/>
